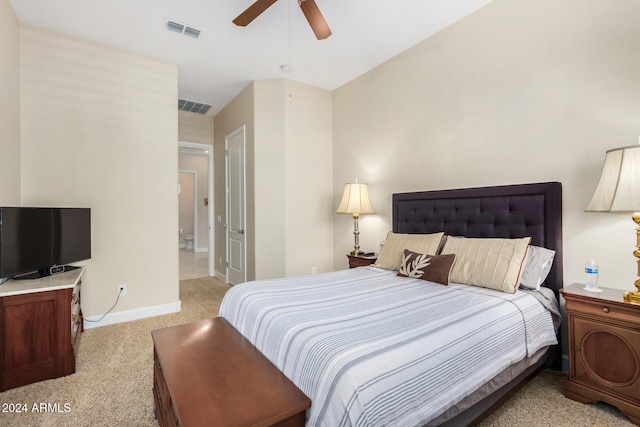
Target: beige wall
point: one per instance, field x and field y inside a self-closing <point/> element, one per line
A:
<point x="516" y="92"/>
<point x="269" y="181"/>
<point x="9" y="106"/>
<point x="187" y="181"/>
<point x="100" y="129"/>
<point x="308" y="220"/>
<point x="289" y="182"/>
<point x="194" y="127"/>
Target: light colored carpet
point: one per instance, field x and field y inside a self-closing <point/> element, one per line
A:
<point x="114" y="378"/>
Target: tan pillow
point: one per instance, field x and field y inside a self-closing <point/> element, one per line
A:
<point x="390" y="255"/>
<point x="489" y="263"/>
<point x="434" y="268"/>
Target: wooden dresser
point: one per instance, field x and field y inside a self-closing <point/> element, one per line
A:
<point x="207" y="374"/>
<point x="40" y="326"/>
<point x="604" y="349"/>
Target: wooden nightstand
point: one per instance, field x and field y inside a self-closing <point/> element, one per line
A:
<point x="604" y="349"/>
<point x="361" y="260"/>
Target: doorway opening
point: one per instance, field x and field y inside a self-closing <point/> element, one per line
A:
<point x="203" y="198"/>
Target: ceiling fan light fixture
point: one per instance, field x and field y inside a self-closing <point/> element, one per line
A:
<point x="309" y="8"/>
<point x="314" y="17"/>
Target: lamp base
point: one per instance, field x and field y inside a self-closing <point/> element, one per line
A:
<point x="632" y="297"/>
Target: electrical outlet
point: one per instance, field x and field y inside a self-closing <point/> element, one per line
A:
<point x="122" y="290"/>
<point x="314" y="270"/>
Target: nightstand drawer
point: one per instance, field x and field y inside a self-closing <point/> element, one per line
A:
<point x="605" y="311"/>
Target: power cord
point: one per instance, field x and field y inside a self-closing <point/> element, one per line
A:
<point x="112" y="307"/>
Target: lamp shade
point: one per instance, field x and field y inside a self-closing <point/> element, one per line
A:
<point x="355" y="200"/>
<point x="619" y="186"/>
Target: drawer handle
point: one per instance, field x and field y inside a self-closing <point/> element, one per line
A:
<point x="605" y="309"/>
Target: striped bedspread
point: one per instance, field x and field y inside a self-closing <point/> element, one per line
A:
<point x="370" y="348"/>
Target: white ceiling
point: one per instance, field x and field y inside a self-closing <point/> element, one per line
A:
<point x="216" y="67"/>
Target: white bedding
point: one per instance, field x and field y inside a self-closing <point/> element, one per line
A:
<point x="370" y="348"/>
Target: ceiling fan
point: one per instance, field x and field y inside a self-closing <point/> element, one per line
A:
<point x="309" y="8"/>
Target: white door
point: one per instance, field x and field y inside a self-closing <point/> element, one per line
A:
<point x="236" y="236"/>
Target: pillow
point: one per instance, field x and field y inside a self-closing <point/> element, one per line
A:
<point x="488" y="263"/>
<point x="390" y="255"/>
<point x="434" y="268"/>
<point x="536" y="270"/>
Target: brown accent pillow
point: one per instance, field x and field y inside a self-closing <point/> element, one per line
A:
<point x="433" y="268"/>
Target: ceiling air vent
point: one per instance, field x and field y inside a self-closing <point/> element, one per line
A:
<point x="182" y="29"/>
<point x="193" y="107"/>
<point x="174" y="26"/>
<point x="191" y="32"/>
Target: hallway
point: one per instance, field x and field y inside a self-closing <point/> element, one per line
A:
<point x="193" y="264"/>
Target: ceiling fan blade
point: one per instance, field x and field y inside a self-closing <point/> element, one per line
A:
<point x="252" y="12"/>
<point x="315" y="18"/>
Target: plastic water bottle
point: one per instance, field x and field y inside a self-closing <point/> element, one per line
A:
<point x="592" y="271"/>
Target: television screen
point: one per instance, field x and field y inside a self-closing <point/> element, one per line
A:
<point x="35" y="239"/>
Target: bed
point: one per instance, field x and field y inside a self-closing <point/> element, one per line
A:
<point x="370" y="347"/>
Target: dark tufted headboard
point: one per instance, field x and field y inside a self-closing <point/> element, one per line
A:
<point x="508" y="211"/>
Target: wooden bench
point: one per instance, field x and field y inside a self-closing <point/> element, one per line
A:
<point x="207" y="374"/>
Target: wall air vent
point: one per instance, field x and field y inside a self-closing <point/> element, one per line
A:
<point x="182" y="29"/>
<point x="193" y="107"/>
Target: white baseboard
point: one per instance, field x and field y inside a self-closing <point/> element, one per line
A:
<point x="220" y="276"/>
<point x="201" y="250"/>
<point x="129" y="315"/>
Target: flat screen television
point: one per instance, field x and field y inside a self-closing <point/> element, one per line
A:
<point x="37" y="242"/>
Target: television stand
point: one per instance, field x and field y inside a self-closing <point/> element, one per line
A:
<point x="40" y="326"/>
<point x="46" y="272"/>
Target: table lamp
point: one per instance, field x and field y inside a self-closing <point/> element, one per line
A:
<point x="619" y="191"/>
<point x="355" y="201"/>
